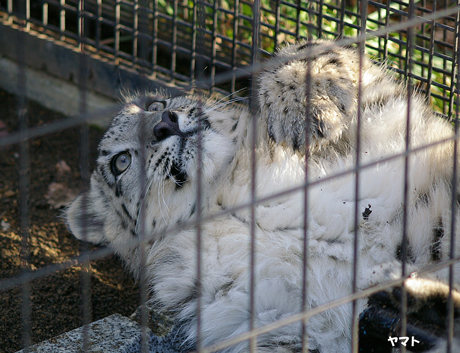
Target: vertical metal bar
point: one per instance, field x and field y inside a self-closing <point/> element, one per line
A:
<point x="143" y="238"/>
<point x="201" y="26"/>
<point x="431" y="55"/>
<point x="320" y="19"/>
<point x="193" y="59"/>
<point x="98" y="24"/>
<point x="298" y="21"/>
<point x="254" y="59"/>
<point x="62" y="19"/>
<point x="453" y="205"/>
<point x="277" y="22"/>
<point x="354" y="284"/>
<point x="304" y="308"/>
<point x="24" y="169"/>
<point x="155" y="38"/>
<point x="213" y="43"/>
<point x="136" y="33"/>
<point x="199" y="240"/>
<point x="27" y="15"/>
<point x="387" y="24"/>
<point x="234" y="43"/>
<point x="444" y="66"/>
<point x="174" y="40"/>
<point x="117" y="31"/>
<point x="85" y="274"/>
<point x="81" y="25"/>
<point x="45" y="14"/>
<point x="9" y="7"/>
<point x="404" y="247"/>
<point x="342" y="18"/>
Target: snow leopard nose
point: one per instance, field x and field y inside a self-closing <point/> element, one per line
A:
<point x="167" y="127"/>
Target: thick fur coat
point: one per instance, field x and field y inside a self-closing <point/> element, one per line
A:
<point x="146" y="183"/>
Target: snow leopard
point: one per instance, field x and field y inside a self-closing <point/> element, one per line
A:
<point x="167" y="161"/>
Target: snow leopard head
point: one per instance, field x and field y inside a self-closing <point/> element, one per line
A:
<point x="162" y="136"/>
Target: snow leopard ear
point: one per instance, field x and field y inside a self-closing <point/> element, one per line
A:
<point x="83" y="220"/>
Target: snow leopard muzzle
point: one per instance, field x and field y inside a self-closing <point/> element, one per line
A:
<point x="167" y="127"/>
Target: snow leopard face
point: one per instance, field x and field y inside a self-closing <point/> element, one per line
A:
<point x="149" y="158"/>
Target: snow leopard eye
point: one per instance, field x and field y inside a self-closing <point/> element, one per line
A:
<point x="156" y="106"/>
<point x="120" y="163"/>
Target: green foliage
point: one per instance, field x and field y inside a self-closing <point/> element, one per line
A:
<point x="291" y="20"/>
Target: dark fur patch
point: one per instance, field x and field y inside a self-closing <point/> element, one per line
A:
<point x="409" y="255"/>
<point x="123" y="221"/>
<point x="435" y="248"/>
<point x="118" y="189"/>
<point x="334" y="61"/>
<point x="193" y="210"/>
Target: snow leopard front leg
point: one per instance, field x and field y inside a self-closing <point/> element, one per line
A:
<point x="326" y="85"/>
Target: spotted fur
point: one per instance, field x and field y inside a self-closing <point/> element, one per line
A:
<point x="165" y="142"/>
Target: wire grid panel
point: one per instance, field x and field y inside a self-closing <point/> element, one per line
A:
<point x="182" y="42"/>
<point x="160" y="38"/>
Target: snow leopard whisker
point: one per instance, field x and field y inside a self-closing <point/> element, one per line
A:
<point x="223" y="104"/>
<point x="227" y="96"/>
<point x="164" y="203"/>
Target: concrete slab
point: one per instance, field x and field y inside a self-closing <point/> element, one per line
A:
<point x="114" y="334"/>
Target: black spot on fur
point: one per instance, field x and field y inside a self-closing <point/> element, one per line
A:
<point x="180" y="177"/>
<point x="367" y="212"/>
<point x="193" y="210"/>
<point x="422" y="200"/>
<point x="205" y="124"/>
<point x="126" y="211"/>
<point x="296" y="142"/>
<point x="321" y="129"/>
<point x="271" y="133"/>
<point x="435" y="248"/>
<point x="123" y="222"/>
<point x="118" y="189"/>
<point x="104" y="152"/>
<point x="234" y="126"/>
<point x="191" y="112"/>
<point x="409" y="254"/>
<point x="334" y="61"/>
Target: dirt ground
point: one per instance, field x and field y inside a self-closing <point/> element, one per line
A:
<point x="56" y="300"/>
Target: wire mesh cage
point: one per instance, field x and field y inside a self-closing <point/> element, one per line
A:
<point x="222" y="47"/>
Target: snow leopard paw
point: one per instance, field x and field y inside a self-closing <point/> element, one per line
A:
<point x="380" y="323"/>
<point x="327" y="87"/>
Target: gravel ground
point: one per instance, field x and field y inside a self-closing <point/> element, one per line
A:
<point x="56" y="300"/>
